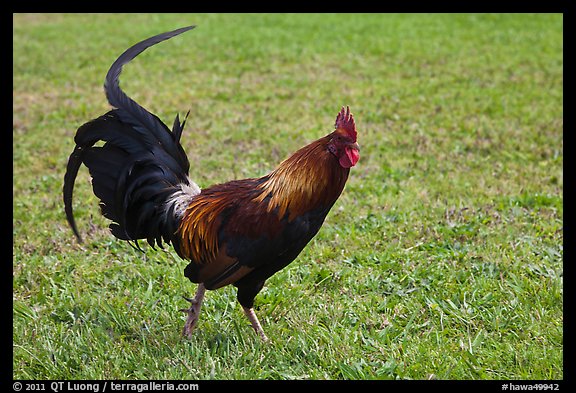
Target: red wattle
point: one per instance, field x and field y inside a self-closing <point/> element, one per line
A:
<point x="349" y="158"/>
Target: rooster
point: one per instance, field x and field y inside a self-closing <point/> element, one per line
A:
<point x="240" y="232"/>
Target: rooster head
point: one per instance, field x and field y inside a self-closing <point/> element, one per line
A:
<point x="343" y="140"/>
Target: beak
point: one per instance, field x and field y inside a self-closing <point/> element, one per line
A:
<point x="355" y="146"/>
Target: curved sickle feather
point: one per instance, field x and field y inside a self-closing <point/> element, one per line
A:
<point x="74" y="163"/>
<point x="115" y="95"/>
<point x="117" y="98"/>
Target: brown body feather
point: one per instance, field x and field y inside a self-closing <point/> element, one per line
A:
<point x="309" y="179"/>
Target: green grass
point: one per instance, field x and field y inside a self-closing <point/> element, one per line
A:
<point x="442" y="259"/>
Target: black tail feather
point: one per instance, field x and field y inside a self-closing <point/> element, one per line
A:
<point x="140" y="165"/>
<point x="74" y="163"/>
<point x="142" y="120"/>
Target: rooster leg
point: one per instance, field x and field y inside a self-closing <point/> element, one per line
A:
<point x="255" y="322"/>
<point x="194" y="311"/>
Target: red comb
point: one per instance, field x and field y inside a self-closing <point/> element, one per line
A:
<point x="345" y="120"/>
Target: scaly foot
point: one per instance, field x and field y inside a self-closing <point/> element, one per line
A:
<point x="193" y="312"/>
<point x="255" y="322"/>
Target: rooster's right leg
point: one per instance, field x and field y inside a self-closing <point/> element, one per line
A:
<point x="194" y="311"/>
<point x="246" y="293"/>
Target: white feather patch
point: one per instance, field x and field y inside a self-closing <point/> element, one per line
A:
<point x="181" y="198"/>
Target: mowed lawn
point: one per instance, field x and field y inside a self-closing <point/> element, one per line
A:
<point x="442" y="259"/>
